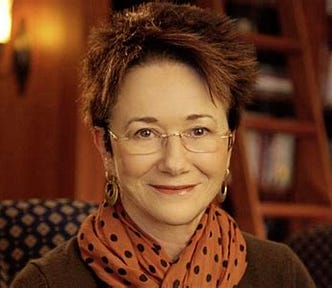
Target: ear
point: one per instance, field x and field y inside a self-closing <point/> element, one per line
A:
<point x="230" y="149"/>
<point x="98" y="139"/>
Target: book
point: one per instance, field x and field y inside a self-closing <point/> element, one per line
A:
<point x="272" y="81"/>
<point x="271" y="162"/>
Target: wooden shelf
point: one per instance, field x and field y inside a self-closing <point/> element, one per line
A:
<point x="292" y="210"/>
<point x="272" y="43"/>
<point x="273" y="124"/>
<point x="293" y="45"/>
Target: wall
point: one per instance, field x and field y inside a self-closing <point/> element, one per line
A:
<point x="41" y="135"/>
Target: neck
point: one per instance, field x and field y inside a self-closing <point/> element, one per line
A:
<point x="172" y="238"/>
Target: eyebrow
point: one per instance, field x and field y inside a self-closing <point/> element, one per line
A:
<point x="198" y="116"/>
<point x="142" y="119"/>
<point x="154" y="120"/>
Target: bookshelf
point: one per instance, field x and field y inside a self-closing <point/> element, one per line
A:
<point x="284" y="32"/>
<point x="308" y="198"/>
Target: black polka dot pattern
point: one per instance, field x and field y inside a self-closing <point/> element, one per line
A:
<point x="126" y="282"/>
<point x="205" y="250"/>
<point x="218" y="252"/>
<point x="176" y="283"/>
<point x="128" y="254"/>
<point x="163" y="263"/>
<point x="143" y="278"/>
<point x="216" y="258"/>
<point x="122" y="271"/>
<point x="108" y="270"/>
<point x="89" y="260"/>
<point x="152" y="269"/>
<point x="114" y="238"/>
<point x="140" y="247"/>
<point x="104" y="260"/>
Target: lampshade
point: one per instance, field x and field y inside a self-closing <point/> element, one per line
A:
<point x="5" y="20"/>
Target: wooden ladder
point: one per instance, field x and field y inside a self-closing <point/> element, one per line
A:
<point x="311" y="193"/>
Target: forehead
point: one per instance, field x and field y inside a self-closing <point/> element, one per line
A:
<point x="165" y="90"/>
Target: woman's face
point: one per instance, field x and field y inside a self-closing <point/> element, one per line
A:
<point x="172" y="186"/>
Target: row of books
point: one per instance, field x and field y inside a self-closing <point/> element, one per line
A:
<point x="271" y="161"/>
<point x="273" y="81"/>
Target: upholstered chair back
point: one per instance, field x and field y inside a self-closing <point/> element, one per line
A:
<point x="314" y="247"/>
<point x="30" y="228"/>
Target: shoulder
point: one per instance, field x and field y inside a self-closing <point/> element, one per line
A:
<point x="271" y="263"/>
<point x="61" y="267"/>
<point x="266" y="249"/>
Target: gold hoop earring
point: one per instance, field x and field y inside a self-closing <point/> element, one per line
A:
<point x="224" y="188"/>
<point x="111" y="190"/>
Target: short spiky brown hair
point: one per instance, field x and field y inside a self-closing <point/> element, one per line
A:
<point x="206" y="41"/>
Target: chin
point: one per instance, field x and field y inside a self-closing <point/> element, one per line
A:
<point x="180" y="215"/>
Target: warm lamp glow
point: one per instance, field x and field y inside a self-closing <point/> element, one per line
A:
<point x="5" y="20"/>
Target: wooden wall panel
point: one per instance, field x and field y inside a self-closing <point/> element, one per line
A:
<point x="38" y="129"/>
<point x="89" y="175"/>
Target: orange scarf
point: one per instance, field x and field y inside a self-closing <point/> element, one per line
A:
<point x="122" y="255"/>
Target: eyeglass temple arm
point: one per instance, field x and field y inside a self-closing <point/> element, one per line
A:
<point x="112" y="134"/>
<point x="230" y="140"/>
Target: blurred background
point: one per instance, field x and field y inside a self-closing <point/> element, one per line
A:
<point x="51" y="176"/>
<point x="46" y="152"/>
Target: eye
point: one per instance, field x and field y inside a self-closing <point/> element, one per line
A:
<point x="145" y="133"/>
<point x="199" y="132"/>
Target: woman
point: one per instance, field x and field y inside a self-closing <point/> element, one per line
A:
<point x="163" y="88"/>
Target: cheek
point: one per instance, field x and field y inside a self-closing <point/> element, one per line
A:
<point x="132" y="167"/>
<point x="213" y="165"/>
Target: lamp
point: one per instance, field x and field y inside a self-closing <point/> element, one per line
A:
<point x="21" y="47"/>
<point x="21" y="56"/>
<point x="5" y="20"/>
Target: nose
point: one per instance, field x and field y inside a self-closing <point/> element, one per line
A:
<point x="174" y="160"/>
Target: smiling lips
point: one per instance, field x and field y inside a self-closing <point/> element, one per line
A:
<point x="180" y="189"/>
